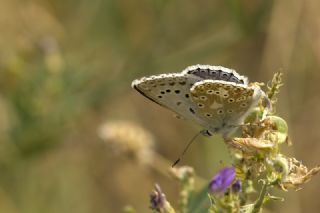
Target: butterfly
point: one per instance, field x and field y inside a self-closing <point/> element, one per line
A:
<point x="215" y="97"/>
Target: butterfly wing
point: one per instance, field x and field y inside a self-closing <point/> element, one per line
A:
<point x="171" y="91"/>
<point x="224" y="105"/>
<point x="216" y="73"/>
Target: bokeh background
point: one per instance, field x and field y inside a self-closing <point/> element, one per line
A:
<point x="75" y="137"/>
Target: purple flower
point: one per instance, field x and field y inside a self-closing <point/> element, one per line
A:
<point x="157" y="199"/>
<point x="221" y="181"/>
<point x="236" y="186"/>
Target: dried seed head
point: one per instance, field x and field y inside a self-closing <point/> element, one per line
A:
<point x="298" y="175"/>
<point x="128" y="138"/>
<point x="158" y="201"/>
<point x="183" y="172"/>
<point x="251" y="146"/>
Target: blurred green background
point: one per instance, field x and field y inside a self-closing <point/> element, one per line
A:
<point x="74" y="136"/>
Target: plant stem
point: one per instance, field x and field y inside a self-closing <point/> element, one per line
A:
<point x="162" y="166"/>
<point x="259" y="202"/>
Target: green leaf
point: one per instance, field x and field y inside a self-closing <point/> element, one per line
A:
<point x="199" y="203"/>
<point x="247" y="208"/>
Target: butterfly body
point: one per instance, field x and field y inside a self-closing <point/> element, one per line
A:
<point x="215" y="97"/>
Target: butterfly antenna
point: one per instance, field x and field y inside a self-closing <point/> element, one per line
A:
<point x="186" y="148"/>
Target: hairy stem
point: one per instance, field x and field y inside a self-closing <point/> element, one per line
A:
<point x="259" y="202"/>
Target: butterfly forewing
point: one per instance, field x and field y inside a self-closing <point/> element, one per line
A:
<point x="171" y="91"/>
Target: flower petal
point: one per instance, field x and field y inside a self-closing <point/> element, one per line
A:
<point x="221" y="181"/>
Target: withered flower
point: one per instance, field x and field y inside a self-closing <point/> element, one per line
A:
<point x="158" y="201"/>
<point x="128" y="138"/>
<point x="298" y="175"/>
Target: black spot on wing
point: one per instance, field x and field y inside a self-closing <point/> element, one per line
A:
<point x="215" y="75"/>
<point x="192" y="110"/>
<point x="224" y="76"/>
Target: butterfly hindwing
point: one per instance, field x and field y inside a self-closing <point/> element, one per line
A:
<point x="224" y="103"/>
